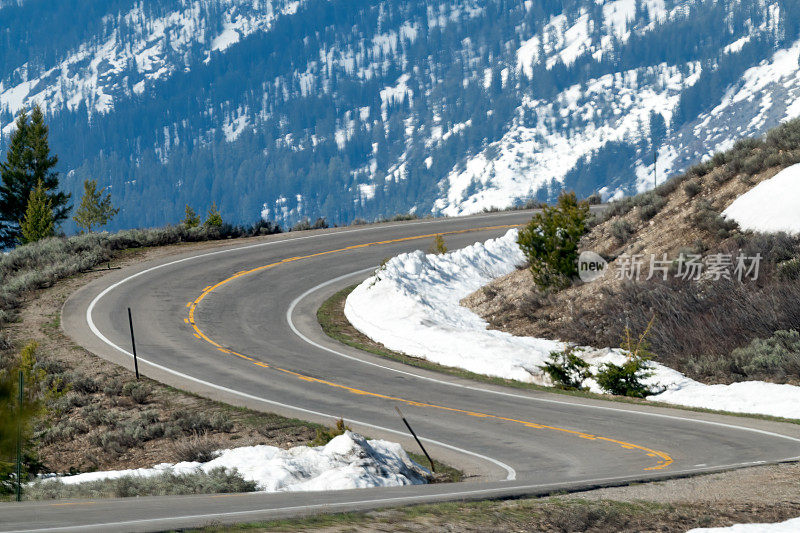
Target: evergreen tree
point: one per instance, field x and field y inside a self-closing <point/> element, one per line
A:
<point x="95" y="210"/>
<point x="38" y="222"/>
<point x="550" y="241"/>
<point x="190" y="219"/>
<point x="658" y="128"/>
<point x="12" y="172"/>
<point x="28" y="162"/>
<point x="213" y="219"/>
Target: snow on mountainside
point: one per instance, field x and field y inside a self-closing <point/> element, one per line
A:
<point x="360" y="109"/>
<point x="612" y="108"/>
<point x="763" y="97"/>
<point x="123" y="63"/>
<point x="781" y="194"/>
<point x="617" y="108"/>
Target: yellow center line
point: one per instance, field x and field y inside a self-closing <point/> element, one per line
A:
<point x="663" y="460"/>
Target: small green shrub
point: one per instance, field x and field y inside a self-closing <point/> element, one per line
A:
<point x="567" y="370"/>
<point x="139" y="392"/>
<point x="618" y="208"/>
<point x="628" y="379"/>
<point x="650" y="204"/>
<point x="400" y="217"/>
<point x="692" y="188"/>
<point x="98" y="416"/>
<point x="550" y="241"/>
<point x="622" y="230"/>
<point x="82" y="383"/>
<point x="708" y="219"/>
<point x="305" y="224"/>
<point x="438" y="247"/>
<point x="701" y="169"/>
<point x="69" y="401"/>
<point x="213" y="218"/>
<point x="113" y="388"/>
<point x="190" y="218"/>
<point x="625" y="379"/>
<point x="192" y="422"/>
<point x="789" y="270"/>
<point x="325" y="435"/>
<point x="776" y="357"/>
<point x="220" y="422"/>
<point x="669" y="186"/>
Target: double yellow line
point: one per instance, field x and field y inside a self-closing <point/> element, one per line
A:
<point x="662" y="459"/>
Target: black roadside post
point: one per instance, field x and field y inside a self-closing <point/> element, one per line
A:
<point x="19" y="437"/>
<point x="433" y="469"/>
<point x="133" y="343"/>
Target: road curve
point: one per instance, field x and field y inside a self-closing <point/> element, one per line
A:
<point x="238" y="324"/>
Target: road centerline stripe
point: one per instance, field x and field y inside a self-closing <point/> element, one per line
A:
<point x="664" y="459"/>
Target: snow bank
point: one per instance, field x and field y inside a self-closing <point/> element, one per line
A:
<point x="411" y="305"/>
<point x="347" y="462"/>
<point x="790" y="526"/>
<point x="771" y="206"/>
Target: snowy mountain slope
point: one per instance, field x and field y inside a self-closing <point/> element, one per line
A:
<point x="362" y="109"/>
<point x="617" y="108"/>
<point x="763" y="97"/>
<point x="139" y="47"/>
<point x="529" y="158"/>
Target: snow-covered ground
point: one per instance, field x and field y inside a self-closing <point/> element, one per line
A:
<point x="347" y="462"/>
<point x="790" y="526"/>
<point x="411" y="305"/>
<point x="771" y="206"/>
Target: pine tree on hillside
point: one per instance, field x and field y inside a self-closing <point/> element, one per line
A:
<point x="95" y="209"/>
<point x="213" y="219"/>
<point x="38" y="222"/>
<point x="190" y="218"/>
<point x="12" y="172"/>
<point x="28" y="161"/>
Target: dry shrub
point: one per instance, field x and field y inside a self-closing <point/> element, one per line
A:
<point x="217" y="481"/>
<point x="699" y="325"/>
<point x="199" y="448"/>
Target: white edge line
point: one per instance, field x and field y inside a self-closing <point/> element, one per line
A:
<point x="511" y="474"/>
<point x="396" y="499"/>
<point x="297" y="300"/>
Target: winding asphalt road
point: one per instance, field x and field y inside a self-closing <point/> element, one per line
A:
<point x="238" y="323"/>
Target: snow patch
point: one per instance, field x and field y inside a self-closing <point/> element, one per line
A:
<point x="348" y="461"/>
<point x="233" y="128"/>
<point x="228" y="37"/>
<point x="771" y="206"/>
<point x="398" y="93"/>
<point x="790" y="526"/>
